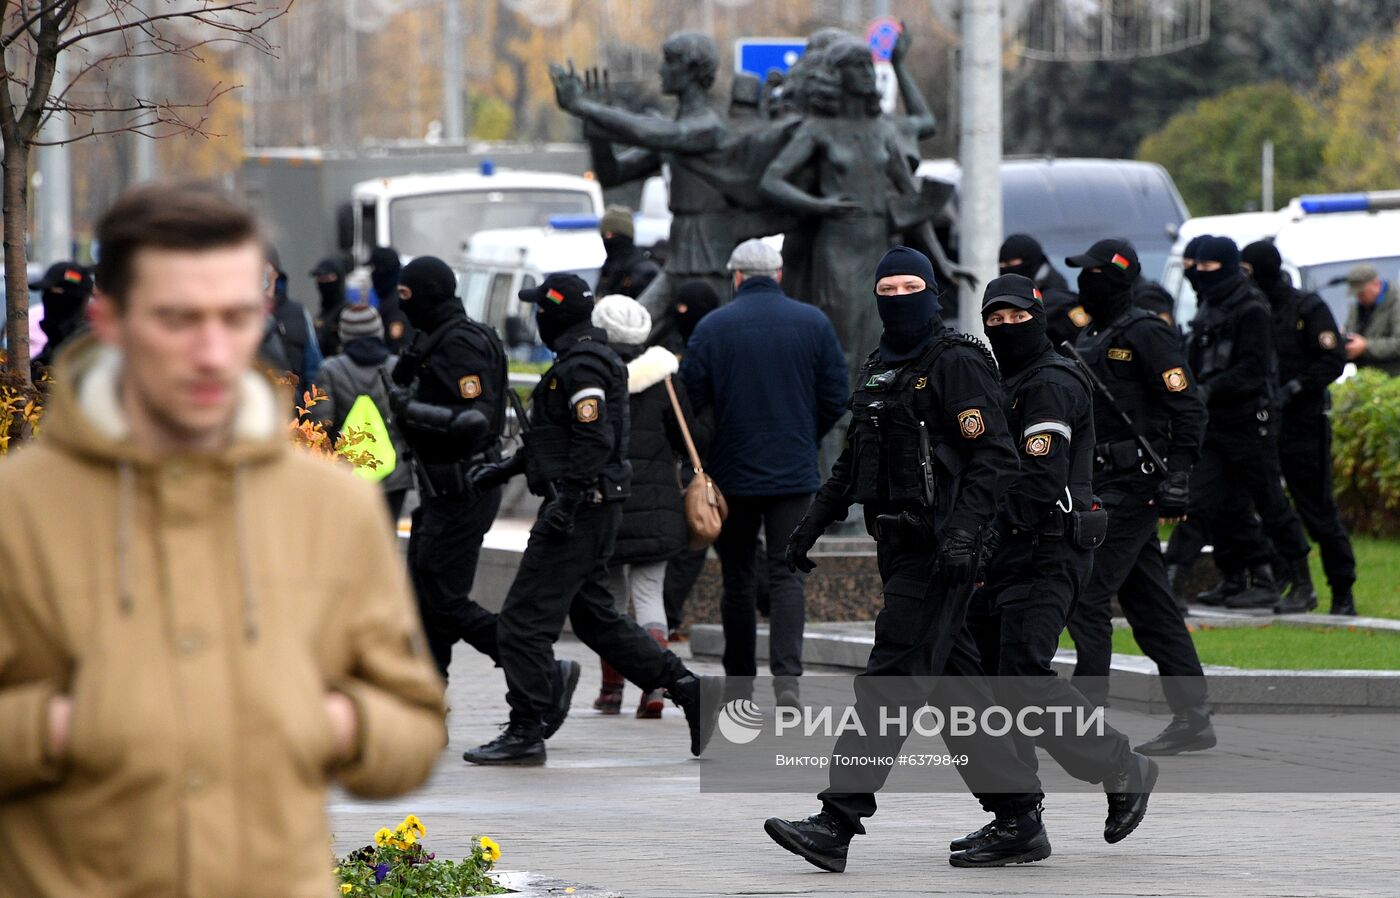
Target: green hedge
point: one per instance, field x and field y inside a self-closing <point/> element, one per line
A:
<point x="1366" y="452"/>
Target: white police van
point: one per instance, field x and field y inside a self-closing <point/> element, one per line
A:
<point x="1320" y="239"/>
<point x="497" y="264"/>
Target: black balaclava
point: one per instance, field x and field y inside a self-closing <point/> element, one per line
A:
<point x="1027" y="249"/>
<point x="1189" y="252"/>
<point x="1107" y="274"/>
<point x="1264" y="258"/>
<point x="1215" y="285"/>
<point x="694" y="300"/>
<point x="332" y="292"/>
<point x="1016" y="345"/>
<point x="384" y="272"/>
<point x="432" y="292"/>
<point x="912" y="319"/>
<point x="564" y="302"/>
<point x="617" y="246"/>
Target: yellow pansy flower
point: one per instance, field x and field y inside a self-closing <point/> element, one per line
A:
<point x="490" y="848"/>
<point x="346" y="888"/>
<point x="413" y="823"/>
<point x="383" y="837"/>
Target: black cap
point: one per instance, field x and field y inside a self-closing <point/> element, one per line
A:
<point x="558" y="290"/>
<point x="1012" y="290"/>
<point x="329" y="265"/>
<point x="1110" y="253"/>
<point x="70" y="277"/>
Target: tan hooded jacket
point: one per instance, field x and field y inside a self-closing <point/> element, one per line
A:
<point x="197" y="608"/>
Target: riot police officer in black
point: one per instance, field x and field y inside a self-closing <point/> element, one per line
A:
<point x="1138" y="357"/>
<point x="1310" y="357"/>
<point x="927" y="454"/>
<point x="1231" y="349"/>
<point x="1064" y="316"/>
<point x="450" y="381"/>
<point x="575" y="457"/>
<point x="1048" y="525"/>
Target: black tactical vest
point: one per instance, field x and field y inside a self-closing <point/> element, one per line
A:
<point x="1215" y="332"/>
<point x="1109" y="354"/>
<point x="903" y="451"/>
<point x="551" y="419"/>
<point x="1081" y="444"/>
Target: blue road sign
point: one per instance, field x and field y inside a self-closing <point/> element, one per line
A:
<point x="761" y="55"/>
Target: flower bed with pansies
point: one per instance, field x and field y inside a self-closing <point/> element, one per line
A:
<point x="399" y="865"/>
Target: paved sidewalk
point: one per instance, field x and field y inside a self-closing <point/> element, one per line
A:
<point x="619" y="807"/>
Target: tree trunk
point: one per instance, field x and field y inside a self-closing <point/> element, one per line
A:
<point x="16" y="204"/>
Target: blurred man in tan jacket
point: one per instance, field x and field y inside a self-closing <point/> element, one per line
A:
<point x="200" y="627"/>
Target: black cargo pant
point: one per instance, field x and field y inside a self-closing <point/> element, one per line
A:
<point x="1129" y="564"/>
<point x="1305" y="456"/>
<point x="443" y="550"/>
<point x="566" y="577"/>
<point x="1239" y="465"/>
<point x="916" y="628"/>
<point x="1305" y="451"/>
<point x="1016" y="619"/>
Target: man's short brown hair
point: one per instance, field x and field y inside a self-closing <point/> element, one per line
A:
<point x="166" y="216"/>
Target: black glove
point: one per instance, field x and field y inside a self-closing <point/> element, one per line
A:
<point x="558" y="515"/>
<point x="399" y="398"/>
<point x="1203" y="391"/>
<point x="1173" y="495"/>
<point x="820" y="515"/>
<point x="492" y="474"/>
<point x="991" y="541"/>
<point x="804" y="536"/>
<point x="1290" y="389"/>
<point x="957" y="556"/>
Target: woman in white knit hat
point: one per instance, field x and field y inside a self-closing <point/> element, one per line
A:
<point x="653" y="526"/>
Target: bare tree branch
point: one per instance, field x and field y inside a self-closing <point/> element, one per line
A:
<point x="242" y="7"/>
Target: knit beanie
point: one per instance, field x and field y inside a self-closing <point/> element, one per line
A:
<point x="360" y="321"/>
<point x="626" y="321"/>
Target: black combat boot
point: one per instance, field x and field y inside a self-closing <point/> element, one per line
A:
<point x="1176" y="577"/>
<point x="1012" y="840"/>
<point x="1128" y="792"/>
<point x="1261" y="594"/>
<point x="1231" y="584"/>
<point x="685" y="692"/>
<point x="566" y="675"/>
<point x="1342" y="602"/>
<point x="973" y="839"/>
<point x="821" y="839"/>
<point x="1190" y="730"/>
<point x="1300" y="597"/>
<point x="519" y="745"/>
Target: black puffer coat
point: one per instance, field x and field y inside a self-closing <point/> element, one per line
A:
<point x="653" y="518"/>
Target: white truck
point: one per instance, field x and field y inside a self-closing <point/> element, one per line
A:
<point x="437" y="214"/>
<point x="498" y="263"/>
<point x="1320" y="238"/>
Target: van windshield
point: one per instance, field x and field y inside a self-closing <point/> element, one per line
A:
<point x="438" y="224"/>
<point x="1329" y="281"/>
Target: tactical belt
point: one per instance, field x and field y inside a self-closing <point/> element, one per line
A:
<point x="1118" y="455"/>
<point x="451" y="478"/>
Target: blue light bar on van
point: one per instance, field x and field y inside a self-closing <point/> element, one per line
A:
<point x="1374" y="201"/>
<point x="573" y="222"/>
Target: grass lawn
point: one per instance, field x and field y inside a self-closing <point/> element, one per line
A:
<point x="1280" y="647"/>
